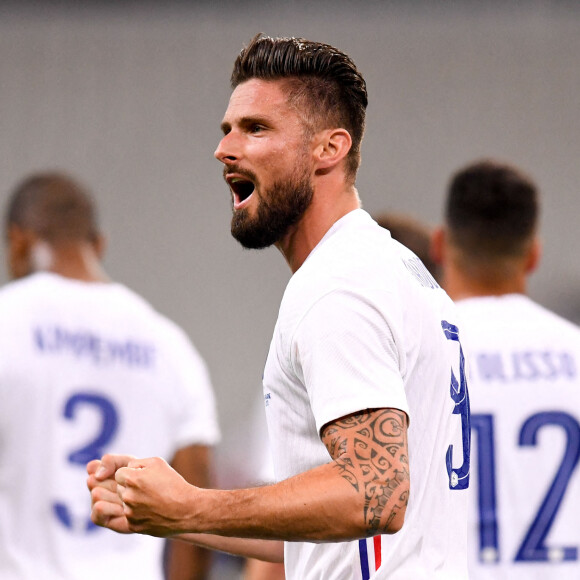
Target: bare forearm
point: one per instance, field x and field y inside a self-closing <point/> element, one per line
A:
<point x="362" y="492"/>
<point x="318" y="505"/>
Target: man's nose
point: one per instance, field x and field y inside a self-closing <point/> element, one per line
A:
<point x="228" y="150"/>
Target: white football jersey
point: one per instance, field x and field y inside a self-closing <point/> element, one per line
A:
<point x="86" y="369"/>
<point x="525" y="403"/>
<point x="363" y="325"/>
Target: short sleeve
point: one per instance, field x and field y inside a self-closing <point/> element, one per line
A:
<point x="345" y="352"/>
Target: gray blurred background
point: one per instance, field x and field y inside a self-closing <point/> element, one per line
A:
<point x="128" y="96"/>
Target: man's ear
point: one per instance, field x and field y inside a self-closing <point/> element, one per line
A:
<point x="438" y="245"/>
<point x="19" y="240"/>
<point x="19" y="247"/>
<point x="331" y="147"/>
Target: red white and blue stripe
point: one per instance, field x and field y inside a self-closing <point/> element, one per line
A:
<point x="370" y="556"/>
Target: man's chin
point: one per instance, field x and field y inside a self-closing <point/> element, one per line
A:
<point x="250" y="241"/>
<point x="250" y="235"/>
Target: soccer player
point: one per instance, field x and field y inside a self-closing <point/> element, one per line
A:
<point x="524" y="381"/>
<point x="87" y="367"/>
<point x="364" y="388"/>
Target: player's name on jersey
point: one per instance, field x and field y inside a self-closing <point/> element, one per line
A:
<point x="524" y="366"/>
<point x="87" y="345"/>
<point x="420" y="272"/>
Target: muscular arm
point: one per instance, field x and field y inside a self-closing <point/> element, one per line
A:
<point x="370" y="452"/>
<point x="362" y="492"/>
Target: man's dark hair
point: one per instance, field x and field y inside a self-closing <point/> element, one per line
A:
<point x="55" y="207"/>
<point x="492" y="210"/>
<point x="321" y="79"/>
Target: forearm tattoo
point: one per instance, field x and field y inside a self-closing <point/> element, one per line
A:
<point x="370" y="451"/>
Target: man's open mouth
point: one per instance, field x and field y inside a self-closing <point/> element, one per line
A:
<point x="241" y="187"/>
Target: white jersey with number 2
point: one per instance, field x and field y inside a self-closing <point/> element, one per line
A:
<point x="86" y="369"/>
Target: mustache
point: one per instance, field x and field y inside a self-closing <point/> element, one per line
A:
<point x="250" y="175"/>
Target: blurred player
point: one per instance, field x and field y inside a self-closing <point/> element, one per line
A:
<point x="412" y="233"/>
<point x="524" y="382"/>
<point x="86" y="367"/>
<point x="365" y="343"/>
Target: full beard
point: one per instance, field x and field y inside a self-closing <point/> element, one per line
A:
<point x="279" y="208"/>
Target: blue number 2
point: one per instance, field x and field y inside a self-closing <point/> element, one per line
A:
<point x="93" y="449"/>
<point x="459" y="477"/>
<point x="533" y="548"/>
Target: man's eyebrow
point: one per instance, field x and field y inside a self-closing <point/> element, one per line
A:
<point x="245" y="122"/>
<point x="252" y="120"/>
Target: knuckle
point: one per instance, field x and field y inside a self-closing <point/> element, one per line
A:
<point x="135" y="525"/>
<point x="97" y="513"/>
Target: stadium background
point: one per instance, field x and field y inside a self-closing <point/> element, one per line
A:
<point x="128" y="96"/>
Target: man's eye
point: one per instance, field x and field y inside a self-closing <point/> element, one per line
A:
<point x="256" y="129"/>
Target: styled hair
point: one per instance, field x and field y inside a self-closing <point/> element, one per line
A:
<point x="492" y="210"/>
<point x="323" y="83"/>
<point x="55" y="207"/>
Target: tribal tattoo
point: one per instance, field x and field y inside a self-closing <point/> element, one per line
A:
<point x="370" y="451"/>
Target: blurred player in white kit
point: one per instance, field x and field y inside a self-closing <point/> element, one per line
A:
<point x="524" y="381"/>
<point x="86" y="366"/>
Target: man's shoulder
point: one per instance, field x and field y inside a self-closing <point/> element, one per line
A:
<point x="515" y="318"/>
<point x="45" y="294"/>
<point x="148" y="315"/>
<point x="517" y="306"/>
<point x="23" y="290"/>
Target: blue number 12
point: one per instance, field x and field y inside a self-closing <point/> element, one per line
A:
<point x="533" y="547"/>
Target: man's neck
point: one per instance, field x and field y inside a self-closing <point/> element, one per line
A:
<point x="324" y="211"/>
<point x="460" y="286"/>
<point x="74" y="261"/>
